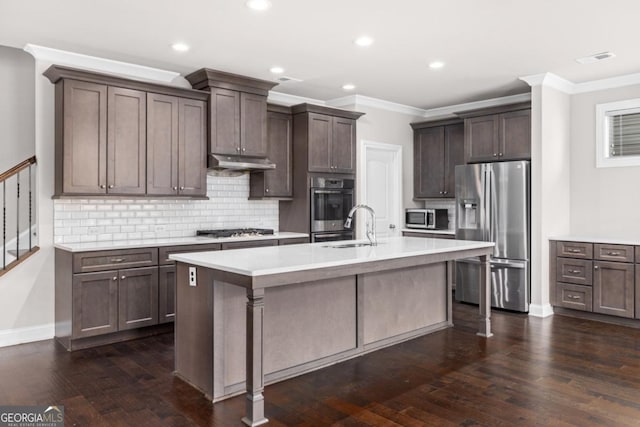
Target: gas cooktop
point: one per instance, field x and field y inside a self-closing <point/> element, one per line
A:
<point x="235" y="232"/>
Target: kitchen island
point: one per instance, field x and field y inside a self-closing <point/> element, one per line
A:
<point x="254" y="316"/>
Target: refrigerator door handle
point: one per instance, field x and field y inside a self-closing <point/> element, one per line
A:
<point x="486" y="226"/>
<point x="508" y="264"/>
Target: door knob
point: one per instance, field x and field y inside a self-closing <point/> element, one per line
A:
<point x="392" y="226"/>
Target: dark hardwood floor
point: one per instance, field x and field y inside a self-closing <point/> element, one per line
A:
<point x="558" y="371"/>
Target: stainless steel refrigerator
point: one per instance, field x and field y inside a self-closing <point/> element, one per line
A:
<point x="493" y="204"/>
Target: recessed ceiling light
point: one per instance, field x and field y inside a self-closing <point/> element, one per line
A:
<point x="596" y="57"/>
<point x="436" y="65"/>
<point x="277" y="70"/>
<point x="349" y="86"/>
<point x="180" y="47"/>
<point x="363" y="41"/>
<point x="258" y="4"/>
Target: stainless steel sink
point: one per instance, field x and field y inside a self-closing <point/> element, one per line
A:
<point x="348" y="245"/>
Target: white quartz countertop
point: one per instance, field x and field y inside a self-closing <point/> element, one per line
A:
<point x="176" y="241"/>
<point x="289" y="258"/>
<point x="617" y="240"/>
<point x="426" y="231"/>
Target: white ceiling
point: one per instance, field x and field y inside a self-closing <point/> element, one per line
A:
<point x="486" y="44"/>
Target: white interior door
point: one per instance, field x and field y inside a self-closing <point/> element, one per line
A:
<point x="381" y="186"/>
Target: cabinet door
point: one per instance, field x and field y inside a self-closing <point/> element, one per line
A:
<point x="428" y="162"/>
<point x="224" y="106"/>
<point x="343" y="145"/>
<point x="162" y="144"/>
<point x="84" y="151"/>
<point x="253" y="124"/>
<point x="166" y="293"/>
<point x="137" y="297"/>
<point x="515" y="135"/>
<point x="278" y="182"/>
<point x="319" y="134"/>
<point x="95" y="304"/>
<point x="481" y="139"/>
<point x="453" y="156"/>
<point x="126" y="141"/>
<point x="192" y="148"/>
<point x="613" y="288"/>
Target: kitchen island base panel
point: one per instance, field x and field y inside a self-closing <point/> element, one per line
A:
<point x="361" y="314"/>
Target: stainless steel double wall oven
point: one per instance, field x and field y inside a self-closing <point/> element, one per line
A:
<point x="331" y="201"/>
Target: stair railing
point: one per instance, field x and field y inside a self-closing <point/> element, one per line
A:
<point x="14" y="200"/>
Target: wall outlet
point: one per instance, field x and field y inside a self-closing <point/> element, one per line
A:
<point x="192" y="276"/>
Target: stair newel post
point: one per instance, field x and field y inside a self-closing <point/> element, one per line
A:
<point x="18" y="215"/>
<point x="30" y="208"/>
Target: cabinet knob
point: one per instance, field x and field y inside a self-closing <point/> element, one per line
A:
<point x="442" y="192"/>
<point x="182" y="187"/>
<point x="111" y="186"/>
<point x="266" y="190"/>
<point x="499" y="154"/>
<point x="595" y="267"/>
<point x="495" y="155"/>
<point x="244" y="149"/>
<point x="103" y="186"/>
<point x="445" y="192"/>
<point x="123" y="277"/>
<point x="115" y="278"/>
<point x="175" y="188"/>
<point x="237" y="148"/>
<point x="614" y="253"/>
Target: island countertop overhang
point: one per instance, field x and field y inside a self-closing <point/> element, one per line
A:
<point x="281" y="265"/>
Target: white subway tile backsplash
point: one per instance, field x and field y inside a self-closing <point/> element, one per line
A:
<point x="118" y="219"/>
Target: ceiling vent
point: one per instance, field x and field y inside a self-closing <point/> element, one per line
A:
<point x="284" y="79"/>
<point x="596" y="57"/>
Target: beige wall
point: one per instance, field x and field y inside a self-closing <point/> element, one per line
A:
<point x="16" y="107"/>
<point x="604" y="201"/>
<point x="389" y="127"/>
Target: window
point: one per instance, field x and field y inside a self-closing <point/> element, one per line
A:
<point x="618" y="134"/>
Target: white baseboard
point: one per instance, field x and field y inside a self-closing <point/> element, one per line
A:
<point x="24" y="335"/>
<point x="540" y="310"/>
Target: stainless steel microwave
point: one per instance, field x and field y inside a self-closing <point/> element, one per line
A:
<point x="431" y="219"/>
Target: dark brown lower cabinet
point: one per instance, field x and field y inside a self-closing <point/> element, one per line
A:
<point x="613" y="288"/>
<point x="166" y="293"/>
<point x="95" y="304"/>
<point x="137" y="297"/>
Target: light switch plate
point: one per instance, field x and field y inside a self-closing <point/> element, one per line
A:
<point x="192" y="276"/>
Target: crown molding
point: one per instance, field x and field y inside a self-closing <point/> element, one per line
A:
<point x="608" y="83"/>
<point x="62" y="57"/>
<point x="448" y="112"/>
<point x="360" y="100"/>
<point x="289" y="100"/>
<point x="550" y="80"/>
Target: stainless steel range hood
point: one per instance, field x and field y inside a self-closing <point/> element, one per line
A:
<point x="239" y="163"/>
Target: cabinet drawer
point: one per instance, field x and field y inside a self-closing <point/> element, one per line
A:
<point x="622" y="253"/>
<point x="579" y="272"/>
<point x="575" y="250"/>
<point x="294" y="241"/>
<point x="87" y="262"/>
<point x="576" y="297"/>
<point x="165" y="251"/>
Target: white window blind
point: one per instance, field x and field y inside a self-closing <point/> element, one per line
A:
<point x="618" y="134"/>
<point x="624" y="133"/>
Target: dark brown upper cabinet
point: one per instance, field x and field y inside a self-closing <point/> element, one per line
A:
<point x="327" y="136"/>
<point x="107" y="129"/>
<point x="498" y="133"/>
<point x="237" y="112"/>
<point x="438" y="147"/>
<point x="176" y="155"/>
<point x="276" y="183"/>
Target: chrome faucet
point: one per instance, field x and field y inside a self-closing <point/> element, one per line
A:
<point x="370" y="225"/>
